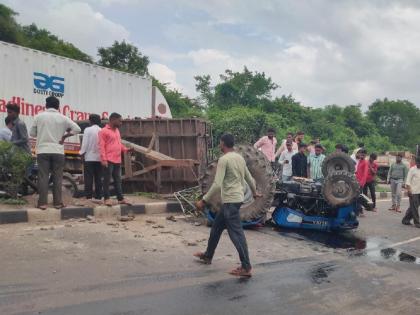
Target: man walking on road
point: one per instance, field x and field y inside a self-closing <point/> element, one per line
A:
<point x="231" y="175"/>
<point x="397" y="176"/>
<point x="300" y="162"/>
<point x="20" y="136"/>
<point x="111" y="149"/>
<point x="90" y="151"/>
<point x="371" y="179"/>
<point x="286" y="161"/>
<point x="315" y="163"/>
<point x="413" y="187"/>
<point x="50" y="128"/>
<point x="267" y="145"/>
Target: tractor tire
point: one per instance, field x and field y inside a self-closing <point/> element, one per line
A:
<point x="337" y="161"/>
<point x="261" y="171"/>
<point x="340" y="189"/>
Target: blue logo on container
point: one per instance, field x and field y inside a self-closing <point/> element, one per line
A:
<point x="48" y="85"/>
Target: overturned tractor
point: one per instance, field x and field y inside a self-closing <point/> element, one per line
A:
<point x="299" y="203"/>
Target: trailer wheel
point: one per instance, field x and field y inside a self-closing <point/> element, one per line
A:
<point x="340" y="189"/>
<point x="337" y="161"/>
<point x="261" y="171"/>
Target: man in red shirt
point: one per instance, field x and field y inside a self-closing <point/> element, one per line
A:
<point x="111" y="149"/>
<point x="371" y="179"/>
<point x="362" y="172"/>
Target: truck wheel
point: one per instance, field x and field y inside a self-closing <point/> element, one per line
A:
<point x="337" y="161"/>
<point x="261" y="171"/>
<point x="340" y="189"/>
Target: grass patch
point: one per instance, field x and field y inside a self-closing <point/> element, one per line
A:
<point x="148" y="195"/>
<point x="13" y="202"/>
<point x="382" y="189"/>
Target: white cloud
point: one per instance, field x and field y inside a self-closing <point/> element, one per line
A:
<point x="164" y="74"/>
<point x="74" y="21"/>
<point x="206" y="56"/>
<point x="323" y="51"/>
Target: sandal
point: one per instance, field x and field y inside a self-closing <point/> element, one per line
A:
<point x="60" y="206"/>
<point x="203" y="258"/>
<point x="43" y="207"/>
<point x="241" y="272"/>
<point x="108" y="203"/>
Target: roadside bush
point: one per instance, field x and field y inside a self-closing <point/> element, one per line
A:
<point x="13" y="165"/>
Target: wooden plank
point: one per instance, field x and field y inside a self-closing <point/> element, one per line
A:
<point x="128" y="169"/>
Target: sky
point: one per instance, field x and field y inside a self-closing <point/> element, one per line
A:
<point x="320" y="51"/>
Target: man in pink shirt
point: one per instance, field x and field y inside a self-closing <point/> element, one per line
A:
<point x="111" y="149"/>
<point x="267" y="145"/>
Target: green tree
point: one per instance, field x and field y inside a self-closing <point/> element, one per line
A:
<point x="43" y="40"/>
<point x="399" y="120"/>
<point x="203" y="86"/>
<point x="356" y="120"/>
<point x="246" y="88"/>
<point x="124" y="57"/>
<point x="9" y="28"/>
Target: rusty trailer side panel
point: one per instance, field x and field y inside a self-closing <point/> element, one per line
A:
<point x="177" y="138"/>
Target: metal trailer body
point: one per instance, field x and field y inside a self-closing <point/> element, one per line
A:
<point x="29" y="76"/>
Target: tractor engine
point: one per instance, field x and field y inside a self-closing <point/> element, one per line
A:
<point x="304" y="195"/>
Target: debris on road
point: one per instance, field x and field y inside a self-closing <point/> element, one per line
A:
<point x="150" y="222"/>
<point x="171" y="218"/>
<point x="158" y="226"/>
<point x="125" y="218"/>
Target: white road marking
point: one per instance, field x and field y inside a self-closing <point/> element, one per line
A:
<point x="411" y="240"/>
<point x="388" y="200"/>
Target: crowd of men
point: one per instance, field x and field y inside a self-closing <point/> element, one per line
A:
<point x="101" y="151"/>
<point x="298" y="159"/>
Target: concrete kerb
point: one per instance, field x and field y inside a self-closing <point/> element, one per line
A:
<point x="54" y="215"/>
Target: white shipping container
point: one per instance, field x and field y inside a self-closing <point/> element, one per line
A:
<point x="29" y="76"/>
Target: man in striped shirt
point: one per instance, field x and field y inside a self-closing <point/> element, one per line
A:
<point x="315" y="164"/>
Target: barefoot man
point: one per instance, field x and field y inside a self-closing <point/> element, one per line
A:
<point x="231" y="175"/>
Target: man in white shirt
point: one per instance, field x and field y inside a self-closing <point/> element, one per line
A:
<point x="6" y="132"/>
<point x="50" y="128"/>
<point x="282" y="147"/>
<point x="413" y="187"/>
<point x="91" y="155"/>
<point x="286" y="160"/>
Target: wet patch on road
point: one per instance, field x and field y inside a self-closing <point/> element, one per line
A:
<point x="319" y="273"/>
<point x="374" y="248"/>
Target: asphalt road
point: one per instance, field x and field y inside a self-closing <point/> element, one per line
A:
<point x="144" y="267"/>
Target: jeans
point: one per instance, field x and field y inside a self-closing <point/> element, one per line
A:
<point x="228" y="217"/>
<point x="113" y="170"/>
<point x="371" y="187"/>
<point x="54" y="164"/>
<point x="413" y="210"/>
<point x="93" y="172"/>
<point x="396" y="187"/>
